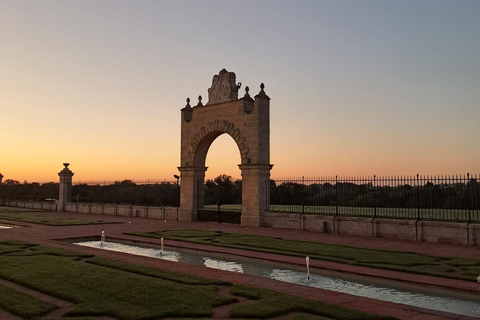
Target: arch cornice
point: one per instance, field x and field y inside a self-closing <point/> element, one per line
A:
<point x="220" y="127"/>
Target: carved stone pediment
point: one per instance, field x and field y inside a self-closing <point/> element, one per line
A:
<point x="223" y="88"/>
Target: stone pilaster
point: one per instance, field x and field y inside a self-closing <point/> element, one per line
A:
<point x="65" y="192"/>
<point x="255" y="193"/>
<point x="192" y="193"/>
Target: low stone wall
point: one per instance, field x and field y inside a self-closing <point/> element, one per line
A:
<point x="428" y="231"/>
<point x="122" y="210"/>
<point x="48" y="206"/>
<point x="99" y="208"/>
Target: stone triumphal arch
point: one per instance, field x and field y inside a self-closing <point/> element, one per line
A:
<point x="247" y="122"/>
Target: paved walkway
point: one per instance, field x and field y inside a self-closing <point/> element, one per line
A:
<point x="50" y="236"/>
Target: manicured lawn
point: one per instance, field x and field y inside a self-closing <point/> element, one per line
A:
<point x="395" y="213"/>
<point x="270" y="304"/>
<point x="456" y="268"/>
<point x="98" y="286"/>
<point x="22" y="304"/>
<point x="42" y="217"/>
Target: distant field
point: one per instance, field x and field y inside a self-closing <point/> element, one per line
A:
<point x="398" y="213"/>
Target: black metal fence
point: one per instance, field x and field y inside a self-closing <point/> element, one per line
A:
<point x="148" y="193"/>
<point x="130" y="192"/>
<point x="13" y="190"/>
<point x="223" y="194"/>
<point x="449" y="198"/>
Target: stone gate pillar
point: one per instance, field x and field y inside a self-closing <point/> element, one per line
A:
<point x="255" y="193"/>
<point x="192" y="192"/>
<point x="65" y="191"/>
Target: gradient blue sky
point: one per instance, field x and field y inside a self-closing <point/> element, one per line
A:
<point x="357" y="87"/>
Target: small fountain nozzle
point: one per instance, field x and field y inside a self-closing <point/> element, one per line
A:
<point x="307" y="260"/>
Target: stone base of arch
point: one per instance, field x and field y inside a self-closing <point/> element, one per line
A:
<point x="255" y="193"/>
<point x="192" y="192"/>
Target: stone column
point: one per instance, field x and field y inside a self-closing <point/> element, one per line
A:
<point x="255" y="193"/>
<point x="192" y="193"/>
<point x="65" y="192"/>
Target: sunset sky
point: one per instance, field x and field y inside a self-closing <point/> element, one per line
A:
<point x="361" y="87"/>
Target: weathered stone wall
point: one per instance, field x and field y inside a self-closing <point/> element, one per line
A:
<point x="123" y="210"/>
<point x="428" y="231"/>
<point x="397" y="229"/>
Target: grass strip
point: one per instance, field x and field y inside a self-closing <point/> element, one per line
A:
<point x="156" y="273"/>
<point x="23" y="305"/>
<point x="41" y="217"/>
<point x="270" y="304"/>
<point x="454" y="268"/>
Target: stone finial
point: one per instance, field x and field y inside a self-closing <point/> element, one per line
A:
<point x="262" y="92"/>
<point x="223" y="88"/>
<point x="247" y="94"/>
<point x="199" y="104"/>
<point x="187" y="112"/>
<point x="66" y="170"/>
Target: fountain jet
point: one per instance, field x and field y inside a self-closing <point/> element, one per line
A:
<point x="161" y="246"/>
<point x="307" y="260"/>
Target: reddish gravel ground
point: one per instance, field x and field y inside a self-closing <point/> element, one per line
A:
<point x="51" y="236"/>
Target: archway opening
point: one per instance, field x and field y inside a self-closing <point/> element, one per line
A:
<point x="223" y="185"/>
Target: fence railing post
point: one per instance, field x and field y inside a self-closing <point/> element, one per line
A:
<point x="336" y="195"/>
<point x="418" y="197"/>
<point x="146" y="190"/>
<point x="374" y="196"/>
<point x="469" y="187"/>
<point x="303" y="195"/>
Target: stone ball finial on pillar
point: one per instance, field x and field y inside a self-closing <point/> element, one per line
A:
<point x="65" y="188"/>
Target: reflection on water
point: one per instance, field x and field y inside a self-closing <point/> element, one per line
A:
<point x="5" y="226"/>
<point x="441" y="300"/>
